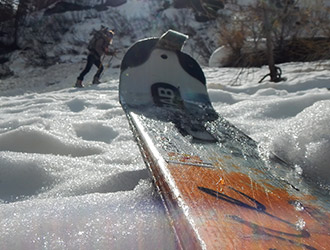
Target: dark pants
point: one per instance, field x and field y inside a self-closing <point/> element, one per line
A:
<point x="91" y="59"/>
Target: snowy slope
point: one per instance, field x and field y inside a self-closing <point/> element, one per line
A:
<point x="64" y="36"/>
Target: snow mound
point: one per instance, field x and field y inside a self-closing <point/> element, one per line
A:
<point x="91" y="131"/>
<point x="305" y="140"/>
<point x="21" y="178"/>
<point x="31" y="140"/>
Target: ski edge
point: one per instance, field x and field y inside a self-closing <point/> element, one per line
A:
<point x="177" y="211"/>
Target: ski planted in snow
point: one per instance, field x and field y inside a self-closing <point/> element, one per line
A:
<point x="219" y="190"/>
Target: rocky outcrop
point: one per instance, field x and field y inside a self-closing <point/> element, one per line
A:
<point x="62" y="30"/>
<point x="63" y="6"/>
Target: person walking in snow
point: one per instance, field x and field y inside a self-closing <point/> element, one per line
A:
<point x="98" y="46"/>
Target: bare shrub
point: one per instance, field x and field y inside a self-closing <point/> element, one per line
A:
<point x="280" y="30"/>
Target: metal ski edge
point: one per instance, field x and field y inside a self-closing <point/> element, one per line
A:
<point x="176" y="209"/>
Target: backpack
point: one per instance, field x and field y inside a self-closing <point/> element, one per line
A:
<point x="97" y="34"/>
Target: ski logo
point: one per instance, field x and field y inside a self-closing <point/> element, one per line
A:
<point x="166" y="95"/>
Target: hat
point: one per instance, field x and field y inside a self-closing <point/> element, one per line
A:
<point x="110" y="33"/>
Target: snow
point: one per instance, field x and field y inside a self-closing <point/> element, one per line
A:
<point x="130" y="9"/>
<point x="290" y="118"/>
<point x="71" y="174"/>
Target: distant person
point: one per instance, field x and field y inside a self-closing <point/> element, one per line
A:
<point x="98" y="46"/>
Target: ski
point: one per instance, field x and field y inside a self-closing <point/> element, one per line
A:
<point x="219" y="190"/>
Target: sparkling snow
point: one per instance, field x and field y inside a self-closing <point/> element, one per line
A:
<point x="71" y="175"/>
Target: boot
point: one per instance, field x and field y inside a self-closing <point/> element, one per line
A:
<point x="96" y="80"/>
<point x="79" y="84"/>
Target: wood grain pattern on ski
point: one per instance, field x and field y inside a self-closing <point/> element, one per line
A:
<point x="231" y="211"/>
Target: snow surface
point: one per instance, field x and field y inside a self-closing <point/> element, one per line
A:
<point x="290" y="118"/>
<point x="71" y="175"/>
